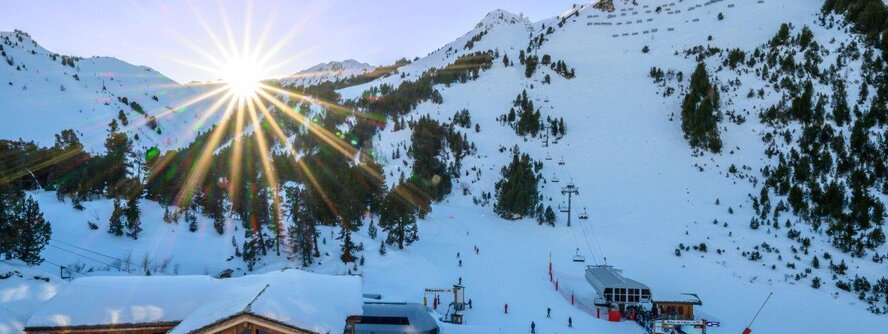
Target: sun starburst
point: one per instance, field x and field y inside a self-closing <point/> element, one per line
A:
<point x="250" y="104"/>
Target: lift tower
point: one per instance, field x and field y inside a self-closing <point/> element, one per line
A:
<point x="570" y="189"/>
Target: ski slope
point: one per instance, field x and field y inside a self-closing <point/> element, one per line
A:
<point x="638" y="178"/>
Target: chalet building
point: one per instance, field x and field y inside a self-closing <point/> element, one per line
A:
<point x="283" y="302"/>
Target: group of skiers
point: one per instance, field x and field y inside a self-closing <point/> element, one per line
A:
<point x="506" y="305"/>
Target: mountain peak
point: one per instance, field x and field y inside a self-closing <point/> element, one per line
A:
<point x="501" y="17"/>
<point x="330" y="71"/>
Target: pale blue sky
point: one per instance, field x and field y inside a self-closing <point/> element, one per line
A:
<point x="153" y="32"/>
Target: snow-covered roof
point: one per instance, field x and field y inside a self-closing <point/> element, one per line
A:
<point x="602" y="277"/>
<point x="313" y="302"/>
<point x="677" y="298"/>
<point x="417" y="314"/>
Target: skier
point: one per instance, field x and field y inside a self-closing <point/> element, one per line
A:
<point x="470" y="303"/>
<point x="506" y="308"/>
<point x="548" y="312"/>
<point x="570" y="322"/>
<point x="457" y="255"/>
<point x="533" y="327"/>
<point x="460" y="263"/>
<point x="460" y="280"/>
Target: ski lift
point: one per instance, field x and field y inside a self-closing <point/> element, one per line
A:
<point x="584" y="215"/>
<point x="561" y="162"/>
<point x="555" y="178"/>
<point x="548" y="156"/>
<point x="65" y="273"/>
<point x="563" y="207"/>
<point x="579" y="258"/>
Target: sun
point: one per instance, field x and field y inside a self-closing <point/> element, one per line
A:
<point x="242" y="77"/>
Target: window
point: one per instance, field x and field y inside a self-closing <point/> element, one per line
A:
<point x="385" y="320"/>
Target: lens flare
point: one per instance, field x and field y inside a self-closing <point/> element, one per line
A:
<point x="242" y="77"/>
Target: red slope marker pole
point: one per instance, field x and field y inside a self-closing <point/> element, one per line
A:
<point x="748" y="330"/>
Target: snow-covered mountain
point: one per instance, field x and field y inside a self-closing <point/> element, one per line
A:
<point x="332" y="71"/>
<point x="44" y="93"/>
<point x="647" y="192"/>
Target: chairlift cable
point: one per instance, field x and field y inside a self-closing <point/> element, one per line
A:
<point x="92" y="259"/>
<point x="97" y="253"/>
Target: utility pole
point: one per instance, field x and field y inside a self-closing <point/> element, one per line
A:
<point x="569" y="190"/>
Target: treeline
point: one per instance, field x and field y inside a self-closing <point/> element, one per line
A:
<point x="395" y="101"/>
<point x="526" y="119"/>
<point x="327" y="90"/>
<point x="868" y="17"/>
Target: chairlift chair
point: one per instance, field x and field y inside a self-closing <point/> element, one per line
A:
<point x="555" y="179"/>
<point x="579" y="258"/>
<point x="548" y="156"/>
<point x="561" y="162"/>
<point x="563" y="207"/>
<point x="584" y="215"/>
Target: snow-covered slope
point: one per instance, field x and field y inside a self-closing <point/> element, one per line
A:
<point x="332" y="71"/>
<point x="645" y="189"/>
<point x="497" y="28"/>
<point x="40" y="96"/>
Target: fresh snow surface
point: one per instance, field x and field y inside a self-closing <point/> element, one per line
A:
<point x="22" y="292"/>
<point x="332" y="71"/>
<point x="637" y="178"/>
<point x="315" y="302"/>
<point x="40" y="97"/>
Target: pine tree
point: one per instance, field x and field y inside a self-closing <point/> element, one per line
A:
<point x="24" y="230"/>
<point x="382" y="247"/>
<point x="841" y="113"/>
<point x="133" y="222"/>
<point x="348" y="248"/>
<point x="191" y="219"/>
<point x="398" y="218"/>
<point x="302" y="233"/>
<point x="371" y="230"/>
<point x="550" y="216"/>
<point x="115" y="222"/>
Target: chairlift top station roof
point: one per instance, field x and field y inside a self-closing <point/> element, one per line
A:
<point x="417" y="314"/>
<point x="603" y="276"/>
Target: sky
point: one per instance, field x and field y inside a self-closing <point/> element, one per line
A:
<point x="175" y="37"/>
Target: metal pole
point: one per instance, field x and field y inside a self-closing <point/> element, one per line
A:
<point x="569" y="196"/>
<point x="760" y="310"/>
